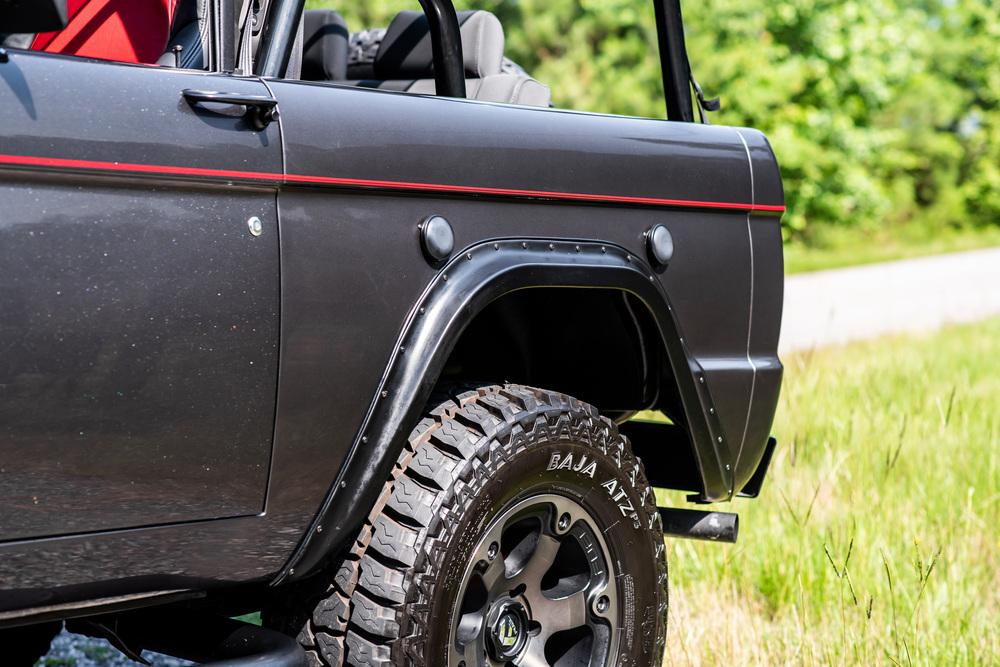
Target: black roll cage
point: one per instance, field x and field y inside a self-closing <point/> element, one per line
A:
<point x="446" y="44"/>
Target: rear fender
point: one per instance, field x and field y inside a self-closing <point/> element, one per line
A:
<point x="468" y="283"/>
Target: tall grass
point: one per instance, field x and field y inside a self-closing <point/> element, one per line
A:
<point x="876" y="540"/>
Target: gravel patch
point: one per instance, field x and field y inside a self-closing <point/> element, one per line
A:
<point x="70" y="650"/>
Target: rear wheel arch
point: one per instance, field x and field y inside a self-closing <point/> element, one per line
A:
<point x="481" y="279"/>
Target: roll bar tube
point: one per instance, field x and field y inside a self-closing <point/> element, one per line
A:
<point x="279" y="38"/>
<point x="446" y="45"/>
<point x="674" y="64"/>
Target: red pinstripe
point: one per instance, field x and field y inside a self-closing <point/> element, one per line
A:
<point x="302" y="179"/>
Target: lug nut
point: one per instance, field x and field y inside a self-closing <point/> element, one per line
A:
<point x="602" y="604"/>
<point x="493" y="551"/>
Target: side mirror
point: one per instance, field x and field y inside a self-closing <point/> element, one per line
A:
<point x="20" y="16"/>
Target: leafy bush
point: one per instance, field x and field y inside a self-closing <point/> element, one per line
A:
<point x="882" y="112"/>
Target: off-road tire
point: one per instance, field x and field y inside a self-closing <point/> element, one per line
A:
<point x="377" y="605"/>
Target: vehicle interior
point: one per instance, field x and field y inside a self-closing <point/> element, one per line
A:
<point x="126" y="31"/>
<point x="398" y="57"/>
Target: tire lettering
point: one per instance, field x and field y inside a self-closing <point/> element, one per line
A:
<point x="626" y="507"/>
<point x="583" y="467"/>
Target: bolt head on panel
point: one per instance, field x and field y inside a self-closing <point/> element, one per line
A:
<point x="437" y="238"/>
<point x="660" y="244"/>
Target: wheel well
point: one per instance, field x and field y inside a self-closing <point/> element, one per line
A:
<point x="597" y="344"/>
<point x="594" y="344"/>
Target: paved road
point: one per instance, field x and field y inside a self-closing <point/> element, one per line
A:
<point x="841" y="305"/>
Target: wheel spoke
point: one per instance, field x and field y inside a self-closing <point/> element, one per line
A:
<point x="469" y="626"/>
<point x="456" y="656"/>
<point x="541" y="560"/>
<point x="494" y="578"/>
<point x="535" y="655"/>
<point x="471" y="654"/>
<point x="559" y="614"/>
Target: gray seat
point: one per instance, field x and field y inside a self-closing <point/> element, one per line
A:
<point x="400" y="58"/>
<point x="325" y="50"/>
<point x="404" y="61"/>
<point x="507" y="88"/>
<point x="405" y="51"/>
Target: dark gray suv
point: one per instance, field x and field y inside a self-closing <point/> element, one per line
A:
<point x="351" y="326"/>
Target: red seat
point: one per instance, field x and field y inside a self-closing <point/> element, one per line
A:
<point x="134" y="31"/>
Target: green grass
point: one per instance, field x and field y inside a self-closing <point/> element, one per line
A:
<point x="876" y="539"/>
<point x="836" y="248"/>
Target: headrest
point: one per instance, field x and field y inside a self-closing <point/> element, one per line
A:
<point x="325" y="50"/>
<point x="405" y="52"/>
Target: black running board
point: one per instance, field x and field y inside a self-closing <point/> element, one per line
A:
<point x="699" y="525"/>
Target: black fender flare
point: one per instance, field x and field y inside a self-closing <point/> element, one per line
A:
<point x="471" y="280"/>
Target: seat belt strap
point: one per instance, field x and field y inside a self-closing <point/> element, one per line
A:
<point x="244" y="60"/>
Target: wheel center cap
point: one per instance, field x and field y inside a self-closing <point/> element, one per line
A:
<point x="508" y="631"/>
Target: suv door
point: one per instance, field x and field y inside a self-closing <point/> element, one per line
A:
<point x="138" y="307"/>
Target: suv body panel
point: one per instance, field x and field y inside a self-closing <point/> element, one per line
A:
<point x="140" y="328"/>
<point x="349" y="174"/>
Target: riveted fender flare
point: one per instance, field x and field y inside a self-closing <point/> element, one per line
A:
<point x="474" y="278"/>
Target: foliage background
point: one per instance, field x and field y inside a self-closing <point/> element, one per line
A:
<point x="884" y="114"/>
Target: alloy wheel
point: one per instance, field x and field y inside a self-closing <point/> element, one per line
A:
<point x="538" y="592"/>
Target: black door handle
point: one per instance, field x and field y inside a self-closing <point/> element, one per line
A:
<point x="261" y="109"/>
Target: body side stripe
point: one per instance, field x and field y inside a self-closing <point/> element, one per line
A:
<point x="334" y="181"/>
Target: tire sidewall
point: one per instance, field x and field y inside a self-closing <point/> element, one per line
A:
<point x="611" y="490"/>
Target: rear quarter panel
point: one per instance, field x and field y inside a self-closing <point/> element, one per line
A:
<point x="368" y="166"/>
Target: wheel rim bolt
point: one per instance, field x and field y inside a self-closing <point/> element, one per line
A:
<point x="564" y="522"/>
<point x="602" y="604"/>
<point x="493" y="551"/>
